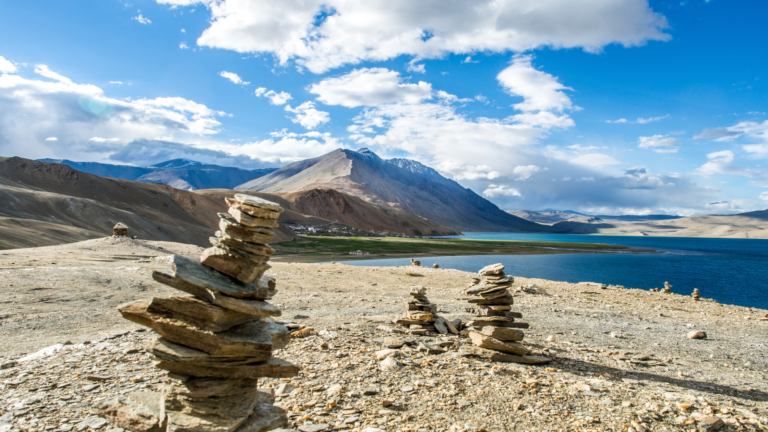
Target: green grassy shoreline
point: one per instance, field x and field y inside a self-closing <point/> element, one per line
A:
<point x="317" y="248"/>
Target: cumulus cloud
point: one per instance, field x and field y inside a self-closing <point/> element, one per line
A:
<point x="274" y="97"/>
<point x="525" y="172"/>
<point x="235" y="78"/>
<point x="764" y="196"/>
<point x="721" y="162"/>
<point x="52" y="105"/>
<point x="717" y="134"/>
<point x="308" y="116"/>
<point x="495" y="191"/>
<point x="325" y="34"/>
<point x="659" y="143"/>
<point x="6" y="66"/>
<point x="540" y="90"/>
<point x="142" y="19"/>
<point x="51" y="139"/>
<point x="369" y="87"/>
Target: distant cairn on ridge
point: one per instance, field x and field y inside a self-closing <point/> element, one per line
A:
<point x="217" y="342"/>
<point x="495" y="333"/>
<point x="120" y="230"/>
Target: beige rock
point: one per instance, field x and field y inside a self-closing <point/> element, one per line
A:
<point x="166" y="350"/>
<point x="136" y="412"/>
<point x="199" y="278"/>
<point x="485" y="341"/>
<point x="392" y="342"/>
<point x="390" y="364"/>
<point x="232" y="263"/>
<point x="444" y="326"/>
<point x="256" y="249"/>
<point x="493" y="269"/>
<point x="503" y="334"/>
<point x="254" y="222"/>
<point x="486" y="354"/>
<point x="253" y="211"/>
<point x="211" y="387"/>
<point x="697" y="334"/>
<point x="265" y="417"/>
<point x="236" y="407"/>
<point x="382" y="354"/>
<point x="254" y="201"/>
<point x="201" y="314"/>
<point x="229" y="228"/>
<point x="505" y="300"/>
<point x="711" y="424"/>
<point x="272" y="368"/>
<point x="256" y="339"/>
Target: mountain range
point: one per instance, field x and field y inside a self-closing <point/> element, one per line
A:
<point x="392" y="185"/>
<point x="180" y="173"/>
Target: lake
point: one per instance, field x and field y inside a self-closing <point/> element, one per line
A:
<point x="733" y="271"/>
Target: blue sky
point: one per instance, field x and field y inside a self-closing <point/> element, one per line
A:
<point x="605" y="106"/>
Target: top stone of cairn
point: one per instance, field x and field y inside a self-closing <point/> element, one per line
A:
<point x="491" y="270"/>
<point x="257" y="202"/>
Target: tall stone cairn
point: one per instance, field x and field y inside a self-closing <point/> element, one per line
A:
<point x="421" y="315"/>
<point x="496" y="335"/>
<point x="216" y="342"/>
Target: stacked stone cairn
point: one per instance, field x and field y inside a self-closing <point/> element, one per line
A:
<point x="217" y="342"/>
<point x="421" y="315"/>
<point x="495" y="333"/>
<point x="667" y="288"/>
<point x="120" y="230"/>
<point x="696" y="294"/>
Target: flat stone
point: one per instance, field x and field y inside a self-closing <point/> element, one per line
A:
<point x="495" y="356"/>
<point x="503" y="334"/>
<point x="256" y="339"/>
<point x="390" y="364"/>
<point x="440" y="325"/>
<point x="204" y="315"/>
<point x="504" y="280"/>
<point x="251" y="221"/>
<point x="240" y="265"/>
<point x="137" y="411"/>
<point x="253" y="211"/>
<point x="313" y="427"/>
<point x="229" y="228"/>
<point x="697" y="334"/>
<point x="430" y="349"/>
<point x="485" y="341"/>
<point x="505" y="300"/>
<point x="196" y="387"/>
<point x="234" y="407"/>
<point x="391" y="342"/>
<point x="257" y="202"/>
<point x="490" y="270"/>
<point x="265" y="417"/>
<point x="168" y="351"/>
<point x="711" y="424"/>
<point x="198" y="278"/>
<point x="272" y="368"/>
<point x="262" y="250"/>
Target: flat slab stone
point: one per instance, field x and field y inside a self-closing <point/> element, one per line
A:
<point x="244" y="218"/>
<point x="201" y="314"/>
<point x="272" y="368"/>
<point x="265" y="417"/>
<point x="253" y="248"/>
<point x="211" y="387"/>
<point x="484" y="341"/>
<point x="505" y="300"/>
<point x="503" y="333"/>
<point x="493" y="269"/>
<point x="229" y="227"/>
<point x="253" y="211"/>
<point x="230" y="408"/>
<point x="137" y="411"/>
<point x="201" y="277"/>
<point x="166" y="350"/>
<point x="495" y="356"/>
<point x="256" y="339"/>
<point x="254" y="201"/>
<point x="243" y="266"/>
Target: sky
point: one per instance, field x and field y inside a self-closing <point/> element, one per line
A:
<point x="598" y="106"/>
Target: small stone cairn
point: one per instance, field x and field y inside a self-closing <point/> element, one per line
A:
<point x="696" y="294"/>
<point x="217" y="342"/>
<point x="496" y="335"/>
<point x="421" y="315"/>
<point x="120" y="230"/>
<point x="667" y="288"/>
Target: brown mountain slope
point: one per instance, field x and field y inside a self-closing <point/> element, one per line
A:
<point x="47" y="203"/>
<point x="397" y="183"/>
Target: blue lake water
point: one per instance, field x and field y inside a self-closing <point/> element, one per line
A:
<point x="733" y="271"/>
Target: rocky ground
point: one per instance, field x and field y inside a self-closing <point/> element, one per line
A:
<point x="621" y="357"/>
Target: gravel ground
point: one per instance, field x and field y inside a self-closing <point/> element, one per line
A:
<point x="622" y="359"/>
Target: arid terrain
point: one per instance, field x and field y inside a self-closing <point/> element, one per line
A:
<point x="622" y="359"/>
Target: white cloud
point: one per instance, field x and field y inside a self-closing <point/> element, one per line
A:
<point x="764" y="196"/>
<point x="103" y="140"/>
<point x="116" y="82"/>
<point x="621" y="120"/>
<point x="659" y="143"/>
<point x="582" y="148"/>
<point x="6" y="66"/>
<point x="639" y="120"/>
<point x="595" y="160"/>
<point x="142" y="19"/>
<point x="720" y="162"/>
<point x="470" y="172"/>
<point x="496" y="191"/>
<point x="308" y="116"/>
<point x="235" y="78"/>
<point x="274" y="97"/>
<point x="540" y="90"/>
<point x="374" y="30"/>
<point x="369" y="87"/>
<point x="51" y="139"/>
<point x="33" y="110"/>
<point x="525" y="172"/>
<point x="413" y="66"/>
<point x="183" y="45"/>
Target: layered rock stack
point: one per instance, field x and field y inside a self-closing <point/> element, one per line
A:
<point x="120" y="230"/>
<point x="696" y="294"/>
<point x="421" y="315"/>
<point x="496" y="334"/>
<point x="667" y="288"/>
<point x="217" y="342"/>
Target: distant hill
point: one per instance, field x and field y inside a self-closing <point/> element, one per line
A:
<point x="550" y="217"/>
<point x="179" y="173"/>
<point x="394" y="184"/>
